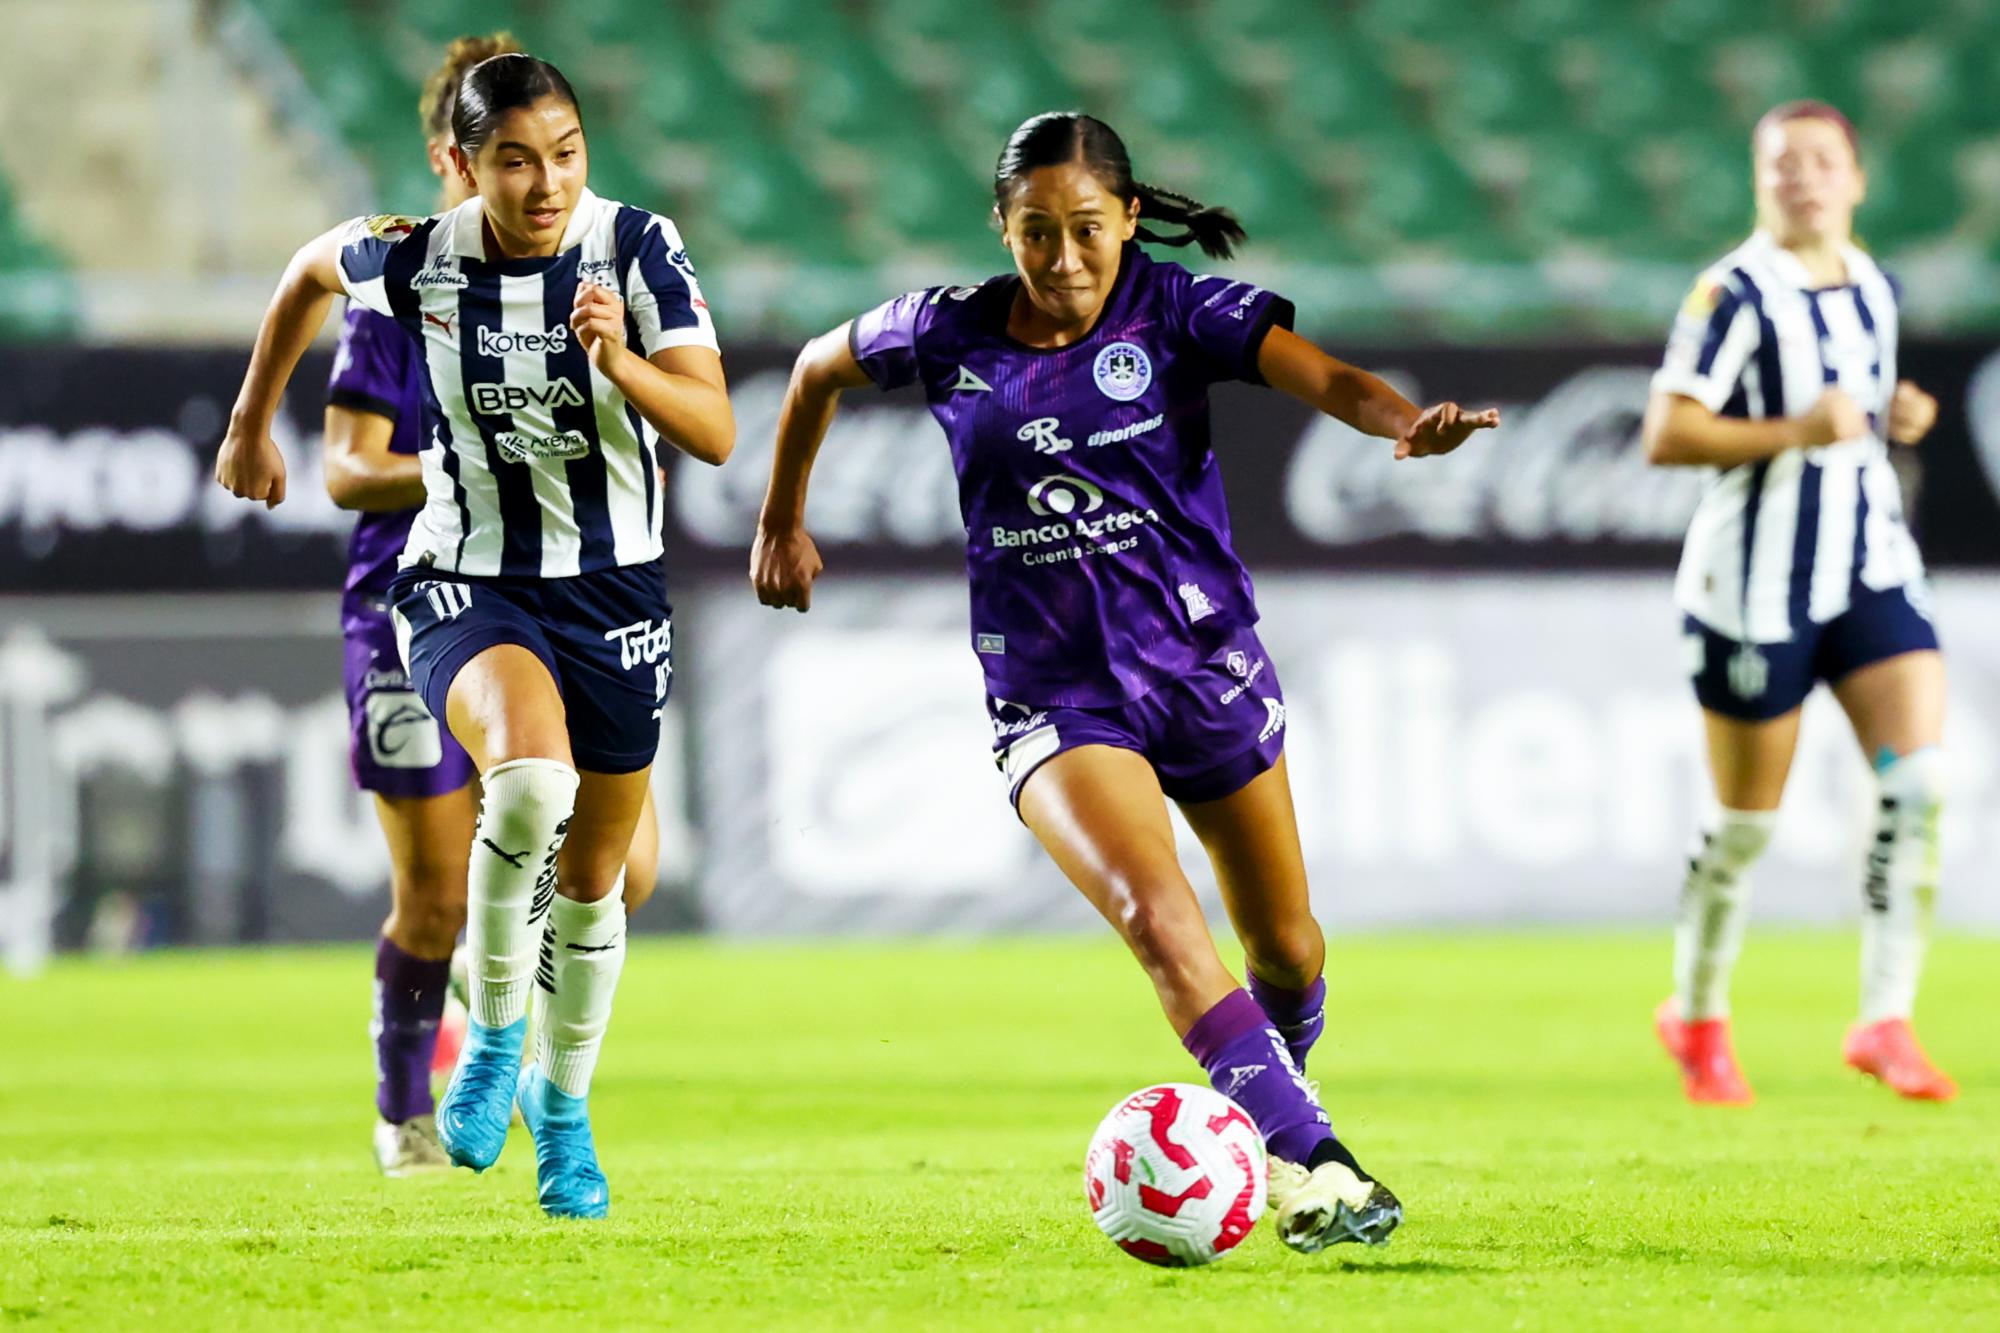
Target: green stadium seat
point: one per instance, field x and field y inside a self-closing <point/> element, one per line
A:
<point x="1703" y="201"/>
<point x="760" y="195"/>
<point x="1335" y="90"/>
<point x="1913" y="191"/>
<point x="1621" y="85"/>
<point x="1495" y="85"/>
<point x="1400" y="187"/>
<point x="689" y="95"/>
<point x="1578" y="188"/>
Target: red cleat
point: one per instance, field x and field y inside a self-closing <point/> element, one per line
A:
<point x="1702" y="1050"/>
<point x="450" y="1038"/>
<point x="1888" y="1050"/>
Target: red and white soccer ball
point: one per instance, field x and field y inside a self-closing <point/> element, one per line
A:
<point x="1175" y="1175"/>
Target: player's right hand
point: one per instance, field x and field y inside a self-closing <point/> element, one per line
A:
<point x="249" y="465"/>
<point x="1834" y="417"/>
<point x="783" y="565"/>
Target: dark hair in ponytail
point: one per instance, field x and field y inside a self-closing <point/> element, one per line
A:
<point x="1056" y="137"/>
<point x="498" y="85"/>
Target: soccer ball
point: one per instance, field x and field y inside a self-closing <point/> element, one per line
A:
<point x="1175" y="1175"/>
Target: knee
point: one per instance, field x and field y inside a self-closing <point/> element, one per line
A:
<point x="1157" y="932"/>
<point x="430" y="907"/>
<point x="1740" y="837"/>
<point x="1914" y="784"/>
<point x="1290" y="956"/>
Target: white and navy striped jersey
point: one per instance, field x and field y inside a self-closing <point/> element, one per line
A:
<point x="534" y="464"/>
<point x="1777" y="543"/>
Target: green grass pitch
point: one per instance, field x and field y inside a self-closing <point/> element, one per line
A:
<point x="836" y="1136"/>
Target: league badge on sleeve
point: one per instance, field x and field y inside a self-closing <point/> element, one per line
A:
<point x="1702" y="300"/>
<point x="389" y="226"/>
<point x="1123" y="371"/>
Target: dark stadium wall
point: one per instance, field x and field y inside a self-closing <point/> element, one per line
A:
<point x="105" y="456"/>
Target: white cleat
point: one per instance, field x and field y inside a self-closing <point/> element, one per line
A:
<point x="409" y="1149"/>
<point x="1315" y="1209"/>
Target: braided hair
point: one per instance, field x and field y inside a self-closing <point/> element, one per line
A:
<point x="440" y="95"/>
<point x="1056" y="137"/>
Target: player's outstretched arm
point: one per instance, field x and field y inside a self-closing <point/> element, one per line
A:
<point x="783" y="560"/>
<point x="680" y="390"/>
<point x="248" y="464"/>
<point x="1364" y="401"/>
<point x="1680" y="431"/>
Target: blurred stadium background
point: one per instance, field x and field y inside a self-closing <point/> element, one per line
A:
<point x="1500" y="202"/>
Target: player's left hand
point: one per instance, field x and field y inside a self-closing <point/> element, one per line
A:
<point x="1441" y="428"/>
<point x="1912" y="413"/>
<point x="599" y="320"/>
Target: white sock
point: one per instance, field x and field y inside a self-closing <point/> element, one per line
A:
<point x="1899" y="887"/>
<point x="523" y="816"/>
<point x="1715" y="902"/>
<point x="583" y="951"/>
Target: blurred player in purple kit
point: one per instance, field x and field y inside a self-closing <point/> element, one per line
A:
<point x="420" y="775"/>
<point x="1111" y="616"/>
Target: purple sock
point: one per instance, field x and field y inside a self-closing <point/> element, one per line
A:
<point x="409" y="1001"/>
<point x="1299" y="1015"/>
<point x="1247" y="1060"/>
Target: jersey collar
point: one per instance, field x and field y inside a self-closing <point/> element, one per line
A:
<point x="468" y="239"/>
<point x="1788" y="266"/>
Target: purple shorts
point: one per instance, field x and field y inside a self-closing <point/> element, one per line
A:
<point x="1206" y="733"/>
<point x="396" y="746"/>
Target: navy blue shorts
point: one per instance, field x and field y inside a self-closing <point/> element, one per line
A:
<point x="606" y="637"/>
<point x="1760" y="681"/>
<point x="1206" y="734"/>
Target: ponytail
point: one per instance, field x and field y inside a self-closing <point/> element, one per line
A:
<point x="1215" y="230"/>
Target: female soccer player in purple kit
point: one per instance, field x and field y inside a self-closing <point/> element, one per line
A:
<point x="1109" y="612"/>
<point x="564" y="339"/>
<point x="420" y="776"/>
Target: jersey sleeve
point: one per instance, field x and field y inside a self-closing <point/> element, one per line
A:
<point x="1226" y="320"/>
<point x="369" y="255"/>
<point x="370" y="364"/>
<point x="884" y="340"/>
<point x="662" y="296"/>
<point x="1714" y="337"/>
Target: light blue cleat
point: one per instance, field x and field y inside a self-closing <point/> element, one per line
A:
<point x="566" y="1170"/>
<point x="477" y="1106"/>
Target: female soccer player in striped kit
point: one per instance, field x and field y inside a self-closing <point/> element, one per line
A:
<point x="564" y="336"/>
<point x="420" y="776"/>
<point x="1109" y="612"/>
<point x="1798" y="568"/>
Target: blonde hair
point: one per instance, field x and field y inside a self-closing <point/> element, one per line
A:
<point x="440" y="95"/>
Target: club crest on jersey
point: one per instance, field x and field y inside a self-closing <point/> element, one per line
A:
<point x="603" y="272"/>
<point x="499" y="342"/>
<point x="520" y="447"/>
<point x="1041" y="432"/>
<point x="496" y="398"/>
<point x="1123" y="371"/>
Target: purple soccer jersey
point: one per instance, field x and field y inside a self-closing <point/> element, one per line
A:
<point x="396" y="747"/>
<point x="375" y="370"/>
<point x="1097" y="536"/>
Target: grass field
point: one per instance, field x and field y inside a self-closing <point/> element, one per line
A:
<point x="891" y="1136"/>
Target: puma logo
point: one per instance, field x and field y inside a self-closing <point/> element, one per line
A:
<point x="442" y="321"/>
<point x="511" y="858"/>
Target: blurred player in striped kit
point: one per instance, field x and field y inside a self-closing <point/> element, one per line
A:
<point x="1112" y="620"/>
<point x="563" y="338"/>
<point x="420" y="776"/>
<point x="1799" y="568"/>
